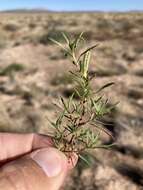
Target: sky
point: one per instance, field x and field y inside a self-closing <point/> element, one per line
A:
<point x="74" y="5"/>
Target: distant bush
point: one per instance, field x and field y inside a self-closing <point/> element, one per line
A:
<point x="15" y="67"/>
<point x="32" y="25"/>
<point x="11" y="27"/>
<point x="139" y="73"/>
<point x="108" y="72"/>
<point x="54" y="33"/>
<point x="134" y="93"/>
<point x="62" y="79"/>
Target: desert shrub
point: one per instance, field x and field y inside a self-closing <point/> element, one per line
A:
<point x="135" y="94"/>
<point x="89" y="35"/>
<point x="14" y="67"/>
<point x="17" y="43"/>
<point x="54" y="33"/>
<point x="32" y="25"/>
<point x="73" y="23"/>
<point x="67" y="92"/>
<point x="62" y="79"/>
<point x="139" y="73"/>
<point x="108" y="72"/>
<point x="11" y="27"/>
<point x="126" y="26"/>
<point x="103" y="24"/>
<point x="57" y="56"/>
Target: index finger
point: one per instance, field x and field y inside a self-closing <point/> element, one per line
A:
<point x="13" y="145"/>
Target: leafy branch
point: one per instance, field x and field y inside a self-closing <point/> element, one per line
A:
<point x="74" y="126"/>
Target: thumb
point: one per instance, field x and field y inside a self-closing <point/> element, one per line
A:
<point x="43" y="169"/>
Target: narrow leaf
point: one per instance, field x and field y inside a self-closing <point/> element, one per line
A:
<point x="64" y="104"/>
<point x="106" y="146"/>
<point x="77" y="40"/>
<point x="70" y="100"/>
<point x="60" y="45"/>
<point x="66" y="38"/>
<point x="105" y="86"/>
<point x="86" y="61"/>
<point x="59" y="120"/>
<point x="84" y="159"/>
<point x="52" y="123"/>
<point x="88" y="49"/>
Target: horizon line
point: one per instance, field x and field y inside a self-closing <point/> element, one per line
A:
<point x="76" y="10"/>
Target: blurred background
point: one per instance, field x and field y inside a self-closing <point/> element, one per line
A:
<point x="33" y="74"/>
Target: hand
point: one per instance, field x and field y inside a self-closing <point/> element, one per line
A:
<point x="29" y="162"/>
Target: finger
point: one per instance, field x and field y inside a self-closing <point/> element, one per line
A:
<point x="43" y="169"/>
<point x="14" y="145"/>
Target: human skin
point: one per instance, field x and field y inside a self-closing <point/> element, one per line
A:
<point x="29" y="162"/>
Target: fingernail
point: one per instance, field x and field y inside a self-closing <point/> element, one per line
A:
<point x="49" y="160"/>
